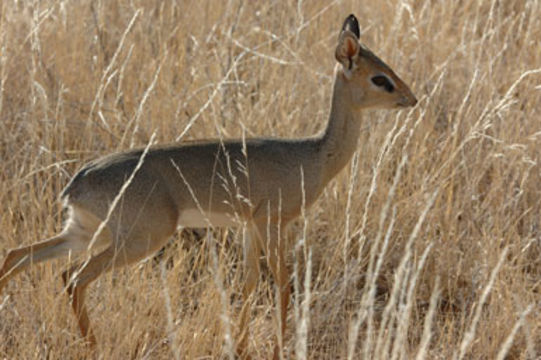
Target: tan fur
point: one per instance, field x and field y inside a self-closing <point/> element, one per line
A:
<point x="215" y="183"/>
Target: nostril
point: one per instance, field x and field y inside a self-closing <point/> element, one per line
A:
<point x="408" y="101"/>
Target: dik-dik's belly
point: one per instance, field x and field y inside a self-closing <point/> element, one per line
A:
<point x="198" y="219"/>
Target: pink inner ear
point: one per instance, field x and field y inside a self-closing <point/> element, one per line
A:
<point x="351" y="47"/>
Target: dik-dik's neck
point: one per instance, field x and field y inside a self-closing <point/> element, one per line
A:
<point x="339" y="141"/>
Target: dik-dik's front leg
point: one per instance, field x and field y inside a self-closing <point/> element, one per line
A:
<point x="266" y="235"/>
<point x="251" y="255"/>
<point x="274" y="243"/>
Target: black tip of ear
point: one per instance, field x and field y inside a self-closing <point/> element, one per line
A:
<point x="352" y="25"/>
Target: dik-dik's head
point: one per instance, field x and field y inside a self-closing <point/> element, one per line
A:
<point x="369" y="82"/>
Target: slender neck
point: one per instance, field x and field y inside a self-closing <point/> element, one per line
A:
<point x="339" y="141"/>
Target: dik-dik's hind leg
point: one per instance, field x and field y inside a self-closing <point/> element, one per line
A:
<point x="19" y="259"/>
<point x="78" y="277"/>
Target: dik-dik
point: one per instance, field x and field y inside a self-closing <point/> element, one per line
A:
<point x="127" y="205"/>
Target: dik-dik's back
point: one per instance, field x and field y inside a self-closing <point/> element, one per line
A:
<point x="226" y="180"/>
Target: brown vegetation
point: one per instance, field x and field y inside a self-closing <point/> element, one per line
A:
<point x="428" y="245"/>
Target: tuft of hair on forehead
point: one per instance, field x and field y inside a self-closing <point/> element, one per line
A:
<point x="351" y="24"/>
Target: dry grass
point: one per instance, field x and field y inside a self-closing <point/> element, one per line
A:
<point x="428" y="246"/>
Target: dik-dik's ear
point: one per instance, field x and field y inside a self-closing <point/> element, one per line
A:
<point x="348" y="44"/>
<point x="352" y="25"/>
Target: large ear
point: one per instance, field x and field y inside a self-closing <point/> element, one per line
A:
<point x="348" y="44"/>
<point x="347" y="51"/>
<point x="352" y="25"/>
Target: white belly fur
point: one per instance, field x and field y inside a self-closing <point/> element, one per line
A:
<point x="194" y="218"/>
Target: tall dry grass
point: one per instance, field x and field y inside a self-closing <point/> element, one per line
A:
<point x="427" y="247"/>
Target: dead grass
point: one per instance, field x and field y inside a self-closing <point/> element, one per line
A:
<point x="428" y="246"/>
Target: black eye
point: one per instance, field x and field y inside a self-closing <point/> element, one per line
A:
<point x="384" y="82"/>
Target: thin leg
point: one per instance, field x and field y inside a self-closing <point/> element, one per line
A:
<point x="19" y="259"/>
<point x="252" y="252"/>
<point x="79" y="277"/>
<point x="82" y="276"/>
<point x="275" y="251"/>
